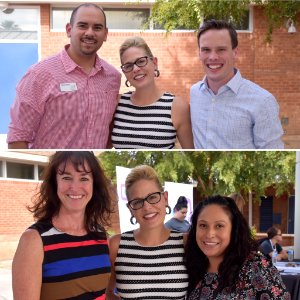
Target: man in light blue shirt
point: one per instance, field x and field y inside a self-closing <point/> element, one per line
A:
<point x="228" y="111"/>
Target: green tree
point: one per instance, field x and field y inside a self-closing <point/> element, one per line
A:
<point x="249" y="172"/>
<point x="170" y="165"/>
<point x="172" y="14"/>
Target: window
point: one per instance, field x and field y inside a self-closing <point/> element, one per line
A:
<point x="19" y="170"/>
<point x="60" y="17"/>
<point x="126" y="19"/>
<point x="1" y="168"/>
<point x="19" y="23"/>
<point x="117" y="18"/>
<point x="40" y="171"/>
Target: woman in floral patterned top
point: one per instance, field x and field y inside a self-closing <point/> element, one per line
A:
<point x="222" y="258"/>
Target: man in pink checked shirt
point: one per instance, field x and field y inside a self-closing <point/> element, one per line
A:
<point x="67" y="101"/>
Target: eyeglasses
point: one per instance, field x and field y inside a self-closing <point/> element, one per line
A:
<point x="140" y="62"/>
<point x="139" y="203"/>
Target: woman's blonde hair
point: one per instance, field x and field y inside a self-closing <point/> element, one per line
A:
<point x="135" y="41"/>
<point x="141" y="172"/>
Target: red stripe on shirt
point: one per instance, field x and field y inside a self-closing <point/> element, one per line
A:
<point x="103" y="297"/>
<point x="73" y="244"/>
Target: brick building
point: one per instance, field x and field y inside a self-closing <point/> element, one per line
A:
<point x="274" y="66"/>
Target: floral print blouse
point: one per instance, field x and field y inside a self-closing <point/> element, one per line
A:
<point x="258" y="280"/>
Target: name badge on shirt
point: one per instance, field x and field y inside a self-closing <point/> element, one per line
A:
<point x="68" y="87"/>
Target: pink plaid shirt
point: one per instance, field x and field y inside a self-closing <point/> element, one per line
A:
<point x="59" y="106"/>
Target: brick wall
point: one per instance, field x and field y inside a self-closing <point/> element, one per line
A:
<point x="14" y="217"/>
<point x="15" y="195"/>
<point x="274" y="66"/>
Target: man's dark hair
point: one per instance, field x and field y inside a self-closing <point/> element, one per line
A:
<point x="271" y="232"/>
<point x="218" y="25"/>
<point x="75" y="10"/>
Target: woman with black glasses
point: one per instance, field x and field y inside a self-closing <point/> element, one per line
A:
<point x="148" y="117"/>
<point x="147" y="263"/>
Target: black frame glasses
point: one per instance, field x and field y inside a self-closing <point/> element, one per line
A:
<point x="138" y="203"/>
<point x="140" y="62"/>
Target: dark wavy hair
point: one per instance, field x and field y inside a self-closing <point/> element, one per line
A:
<point x="181" y="203"/>
<point x="46" y="203"/>
<point x="240" y="246"/>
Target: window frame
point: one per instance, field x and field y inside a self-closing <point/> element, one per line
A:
<point x="121" y="6"/>
<point x="36" y="166"/>
<point x="38" y="26"/>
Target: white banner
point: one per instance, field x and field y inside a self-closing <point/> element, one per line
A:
<point x="175" y="190"/>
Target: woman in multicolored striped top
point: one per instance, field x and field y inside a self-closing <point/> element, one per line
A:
<point x="148" y="117"/>
<point x="64" y="255"/>
<point x="147" y="263"/>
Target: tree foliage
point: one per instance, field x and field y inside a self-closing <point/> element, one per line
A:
<point x="172" y="14"/>
<point x="214" y="171"/>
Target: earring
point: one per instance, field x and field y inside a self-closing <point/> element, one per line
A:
<point x="168" y="209"/>
<point x="133" y="220"/>
<point x="156" y="73"/>
<point x="127" y="83"/>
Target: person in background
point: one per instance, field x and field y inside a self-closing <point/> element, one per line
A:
<point x="178" y="222"/>
<point x="65" y="255"/>
<point x="148" y="262"/>
<point x="67" y="101"/>
<point x="148" y="117"/>
<point x="222" y="258"/>
<point x="271" y="243"/>
<point x="228" y="111"/>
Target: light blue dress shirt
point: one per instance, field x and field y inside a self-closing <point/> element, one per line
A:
<point x="241" y="116"/>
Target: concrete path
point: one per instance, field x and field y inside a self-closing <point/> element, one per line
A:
<point x="5" y="280"/>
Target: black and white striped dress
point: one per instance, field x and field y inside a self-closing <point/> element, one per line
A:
<point x="148" y="126"/>
<point x="155" y="273"/>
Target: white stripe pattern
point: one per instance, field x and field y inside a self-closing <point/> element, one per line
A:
<point x="155" y="272"/>
<point x="141" y="127"/>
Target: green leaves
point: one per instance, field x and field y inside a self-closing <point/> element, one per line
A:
<point x="189" y="14"/>
<point x="215" y="172"/>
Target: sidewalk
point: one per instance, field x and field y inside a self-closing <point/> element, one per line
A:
<point x="5" y="280"/>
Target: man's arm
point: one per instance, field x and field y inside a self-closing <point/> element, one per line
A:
<point x="267" y="129"/>
<point x="18" y="145"/>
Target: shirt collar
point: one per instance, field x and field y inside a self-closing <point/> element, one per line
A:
<point x="70" y="65"/>
<point x="234" y="83"/>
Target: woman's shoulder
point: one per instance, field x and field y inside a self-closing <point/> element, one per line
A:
<point x="126" y="95"/>
<point x="258" y="266"/>
<point x="260" y="275"/>
<point x="256" y="259"/>
<point x="176" y="236"/>
<point x="30" y="242"/>
<point x="41" y="226"/>
<point x="181" y="104"/>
